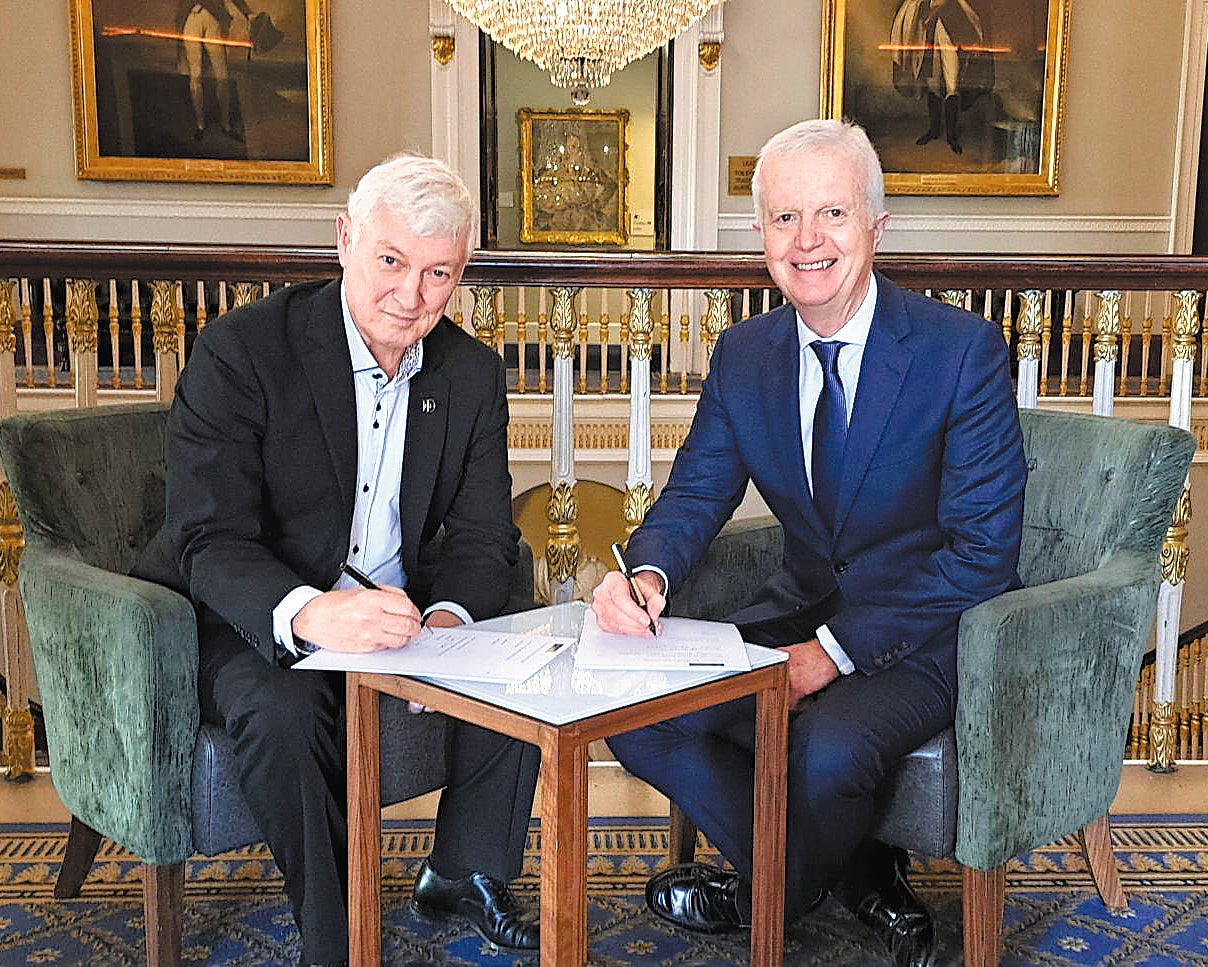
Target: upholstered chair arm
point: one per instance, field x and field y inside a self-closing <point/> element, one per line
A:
<point x="1046" y="677"/>
<point x="116" y="660"/>
<point x="744" y="554"/>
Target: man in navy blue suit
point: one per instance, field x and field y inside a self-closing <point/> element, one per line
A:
<point x="880" y="428"/>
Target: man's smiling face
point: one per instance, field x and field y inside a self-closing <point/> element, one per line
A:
<point x="818" y="236"/>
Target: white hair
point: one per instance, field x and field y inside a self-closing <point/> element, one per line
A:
<point x="426" y="195"/>
<point x="844" y="137"/>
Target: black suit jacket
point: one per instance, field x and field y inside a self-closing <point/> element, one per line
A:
<point x="262" y="466"/>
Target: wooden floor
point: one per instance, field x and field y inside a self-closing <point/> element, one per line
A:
<point x="615" y="793"/>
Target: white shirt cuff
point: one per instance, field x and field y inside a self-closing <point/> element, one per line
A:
<point x="657" y="570"/>
<point x="834" y="651"/>
<point x="452" y="607"/>
<point x="285" y="612"/>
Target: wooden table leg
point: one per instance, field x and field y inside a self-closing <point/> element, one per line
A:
<point x="771" y="790"/>
<point x="364" y="825"/>
<point x="563" y="850"/>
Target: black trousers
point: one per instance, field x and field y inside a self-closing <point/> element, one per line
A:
<point x="841" y="744"/>
<point x="289" y="739"/>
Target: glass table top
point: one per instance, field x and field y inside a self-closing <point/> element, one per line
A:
<point x="560" y="693"/>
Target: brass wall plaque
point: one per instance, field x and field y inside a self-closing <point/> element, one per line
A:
<point x="741" y="168"/>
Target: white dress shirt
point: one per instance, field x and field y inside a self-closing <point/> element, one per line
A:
<point x="854" y="335"/>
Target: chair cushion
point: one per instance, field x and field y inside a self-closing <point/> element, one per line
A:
<point x="413" y="763"/>
<point x="916" y="803"/>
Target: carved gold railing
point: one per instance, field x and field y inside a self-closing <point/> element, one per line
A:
<point x="82" y="323"/>
<point x="1188" y="712"/>
<point x="142" y="304"/>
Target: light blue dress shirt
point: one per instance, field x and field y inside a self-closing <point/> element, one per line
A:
<point x="375" y="539"/>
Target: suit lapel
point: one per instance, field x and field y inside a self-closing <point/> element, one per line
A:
<point x="328" y="368"/>
<point x="784" y="438"/>
<point x="427" y="421"/>
<point x="882" y="373"/>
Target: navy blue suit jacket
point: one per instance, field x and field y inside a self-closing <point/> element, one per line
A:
<point x="930" y="505"/>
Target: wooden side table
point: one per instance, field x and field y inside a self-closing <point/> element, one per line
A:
<point x="563" y="784"/>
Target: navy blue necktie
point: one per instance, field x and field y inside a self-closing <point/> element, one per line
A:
<point x="830" y="431"/>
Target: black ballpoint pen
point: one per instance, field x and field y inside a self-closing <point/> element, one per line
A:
<point x="634" y="591"/>
<point x="359" y="576"/>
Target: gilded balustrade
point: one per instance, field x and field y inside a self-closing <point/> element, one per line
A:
<point x="1130" y="317"/>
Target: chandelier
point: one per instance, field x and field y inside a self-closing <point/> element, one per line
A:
<point x="581" y="42"/>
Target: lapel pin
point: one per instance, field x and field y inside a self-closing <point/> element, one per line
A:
<point x="427" y="405"/>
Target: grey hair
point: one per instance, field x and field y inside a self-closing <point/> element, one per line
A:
<point x="425" y="194"/>
<point x="820" y="134"/>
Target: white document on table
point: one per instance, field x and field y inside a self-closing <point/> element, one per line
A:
<point x="462" y="653"/>
<point x="682" y="644"/>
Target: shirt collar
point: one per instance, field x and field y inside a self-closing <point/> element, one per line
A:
<point x="362" y="358"/>
<point x="855" y="331"/>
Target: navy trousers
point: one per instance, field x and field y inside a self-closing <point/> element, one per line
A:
<point x="841" y="744"/>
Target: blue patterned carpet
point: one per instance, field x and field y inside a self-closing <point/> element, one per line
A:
<point x="235" y="912"/>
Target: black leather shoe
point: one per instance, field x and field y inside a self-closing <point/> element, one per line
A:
<point x="697" y="896"/>
<point x="896" y="915"/>
<point x="484" y="903"/>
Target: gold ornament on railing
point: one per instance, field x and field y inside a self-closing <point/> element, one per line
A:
<point x="8" y="317"/>
<point x="641" y="323"/>
<point x="82" y="315"/>
<point x="1030" y="323"/>
<point x="562" y="546"/>
<point x="1162" y="737"/>
<point x="1175" y="553"/>
<point x="12" y="537"/>
<point x="483" y="317"/>
<point x="562" y="320"/>
<point x="953" y="297"/>
<point x="1186" y="324"/>
<point x="245" y="293"/>
<point x="1107" y="326"/>
<point x="717" y="318"/>
<point x="163" y="316"/>
<point x="635" y="504"/>
<point x="18" y="744"/>
<point x="442" y="50"/>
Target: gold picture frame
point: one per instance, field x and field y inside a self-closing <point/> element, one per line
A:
<point x="216" y="91"/>
<point x="960" y="97"/>
<point x="573" y="177"/>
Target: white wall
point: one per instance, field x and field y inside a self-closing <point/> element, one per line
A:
<point x="1117" y="164"/>
<point x="380" y="103"/>
<point x="1118" y="161"/>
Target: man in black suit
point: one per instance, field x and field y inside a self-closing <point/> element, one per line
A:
<point x="350" y="421"/>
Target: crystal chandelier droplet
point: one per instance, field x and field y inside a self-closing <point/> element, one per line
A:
<point x="581" y="43"/>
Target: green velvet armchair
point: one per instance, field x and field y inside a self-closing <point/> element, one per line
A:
<point x="1046" y="673"/>
<point x="116" y="660"/>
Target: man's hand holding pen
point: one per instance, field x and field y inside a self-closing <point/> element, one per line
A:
<point x="368" y="618"/>
<point x="618" y="612"/>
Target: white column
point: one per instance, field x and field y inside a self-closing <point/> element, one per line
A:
<point x="1107" y="352"/>
<point x="562" y="546"/>
<point x="455" y="107"/>
<point x="695" y="162"/>
<point x="1028" y="324"/>
<point x="1175" y="553"/>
